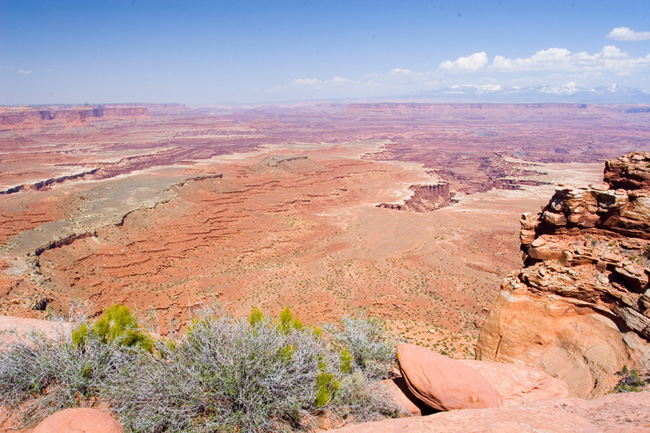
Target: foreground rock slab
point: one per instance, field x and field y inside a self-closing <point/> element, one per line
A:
<point x="443" y="383"/>
<point x="79" y="420"/>
<point x="622" y="413"/>
<point x="11" y="328"/>
<point x="520" y="383"/>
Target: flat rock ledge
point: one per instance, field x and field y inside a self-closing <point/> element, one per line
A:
<point x="620" y="413"/>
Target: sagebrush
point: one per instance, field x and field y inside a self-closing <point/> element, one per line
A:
<point x="253" y="374"/>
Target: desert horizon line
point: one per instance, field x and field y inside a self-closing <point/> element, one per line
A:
<point x="319" y="102"/>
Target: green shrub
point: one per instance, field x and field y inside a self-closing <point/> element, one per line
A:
<point x="118" y="325"/>
<point x="326" y="385"/>
<point x="286" y="352"/>
<point x="287" y="322"/>
<point x="346" y="360"/>
<point x="255" y="317"/>
<point x="80" y="335"/>
<point x="226" y="374"/>
<point x="630" y="381"/>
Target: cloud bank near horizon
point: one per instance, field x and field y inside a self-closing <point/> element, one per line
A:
<point x="551" y="67"/>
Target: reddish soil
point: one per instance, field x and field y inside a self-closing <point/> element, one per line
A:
<point x="272" y="207"/>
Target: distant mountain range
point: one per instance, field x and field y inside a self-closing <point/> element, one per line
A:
<point x="567" y="93"/>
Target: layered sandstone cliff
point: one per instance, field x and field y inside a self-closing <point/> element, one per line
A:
<point x="580" y="309"/>
<point x="17" y="115"/>
<point x="424" y="198"/>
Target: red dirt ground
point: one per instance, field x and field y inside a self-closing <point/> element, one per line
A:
<point x="277" y="206"/>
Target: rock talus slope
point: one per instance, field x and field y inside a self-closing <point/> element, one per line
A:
<point x="580" y="309"/>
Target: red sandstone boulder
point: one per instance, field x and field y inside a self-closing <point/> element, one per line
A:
<point x="519" y="383"/>
<point x="443" y="383"/>
<point x="11" y="328"/>
<point x="79" y="420"/>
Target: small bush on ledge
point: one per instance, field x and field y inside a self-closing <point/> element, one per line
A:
<point x="630" y="381"/>
<point x="253" y="374"/>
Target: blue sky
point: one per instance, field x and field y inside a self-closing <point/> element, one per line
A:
<point x="224" y="52"/>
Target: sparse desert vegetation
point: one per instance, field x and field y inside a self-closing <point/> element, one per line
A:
<point x="630" y="381"/>
<point x="250" y="374"/>
<point x="276" y="206"/>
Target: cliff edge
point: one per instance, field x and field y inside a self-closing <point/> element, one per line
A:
<point x="580" y="308"/>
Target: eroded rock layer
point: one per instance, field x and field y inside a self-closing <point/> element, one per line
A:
<point x="424" y="198"/>
<point x="580" y="309"/>
<point x="117" y="208"/>
<point x="18" y="115"/>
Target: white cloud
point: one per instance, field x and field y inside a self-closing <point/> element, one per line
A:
<point x="315" y="83"/>
<point x="626" y="34"/>
<point x="338" y="81"/>
<point x="554" y="70"/>
<point x="470" y="63"/>
<point x="543" y="59"/>
<point x="22" y="71"/>
<point x="560" y="59"/>
<point x="306" y="82"/>
<point x="479" y="88"/>
<point x="398" y="75"/>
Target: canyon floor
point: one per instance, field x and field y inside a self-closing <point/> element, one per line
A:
<point x="164" y="208"/>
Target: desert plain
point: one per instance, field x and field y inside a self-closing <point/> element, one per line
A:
<point x="405" y="211"/>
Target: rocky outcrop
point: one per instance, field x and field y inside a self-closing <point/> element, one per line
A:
<point x="580" y="309"/>
<point x="629" y="171"/>
<point x="424" y="198"/>
<point x="622" y="413"/>
<point x="443" y="383"/>
<point x="79" y="420"/>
